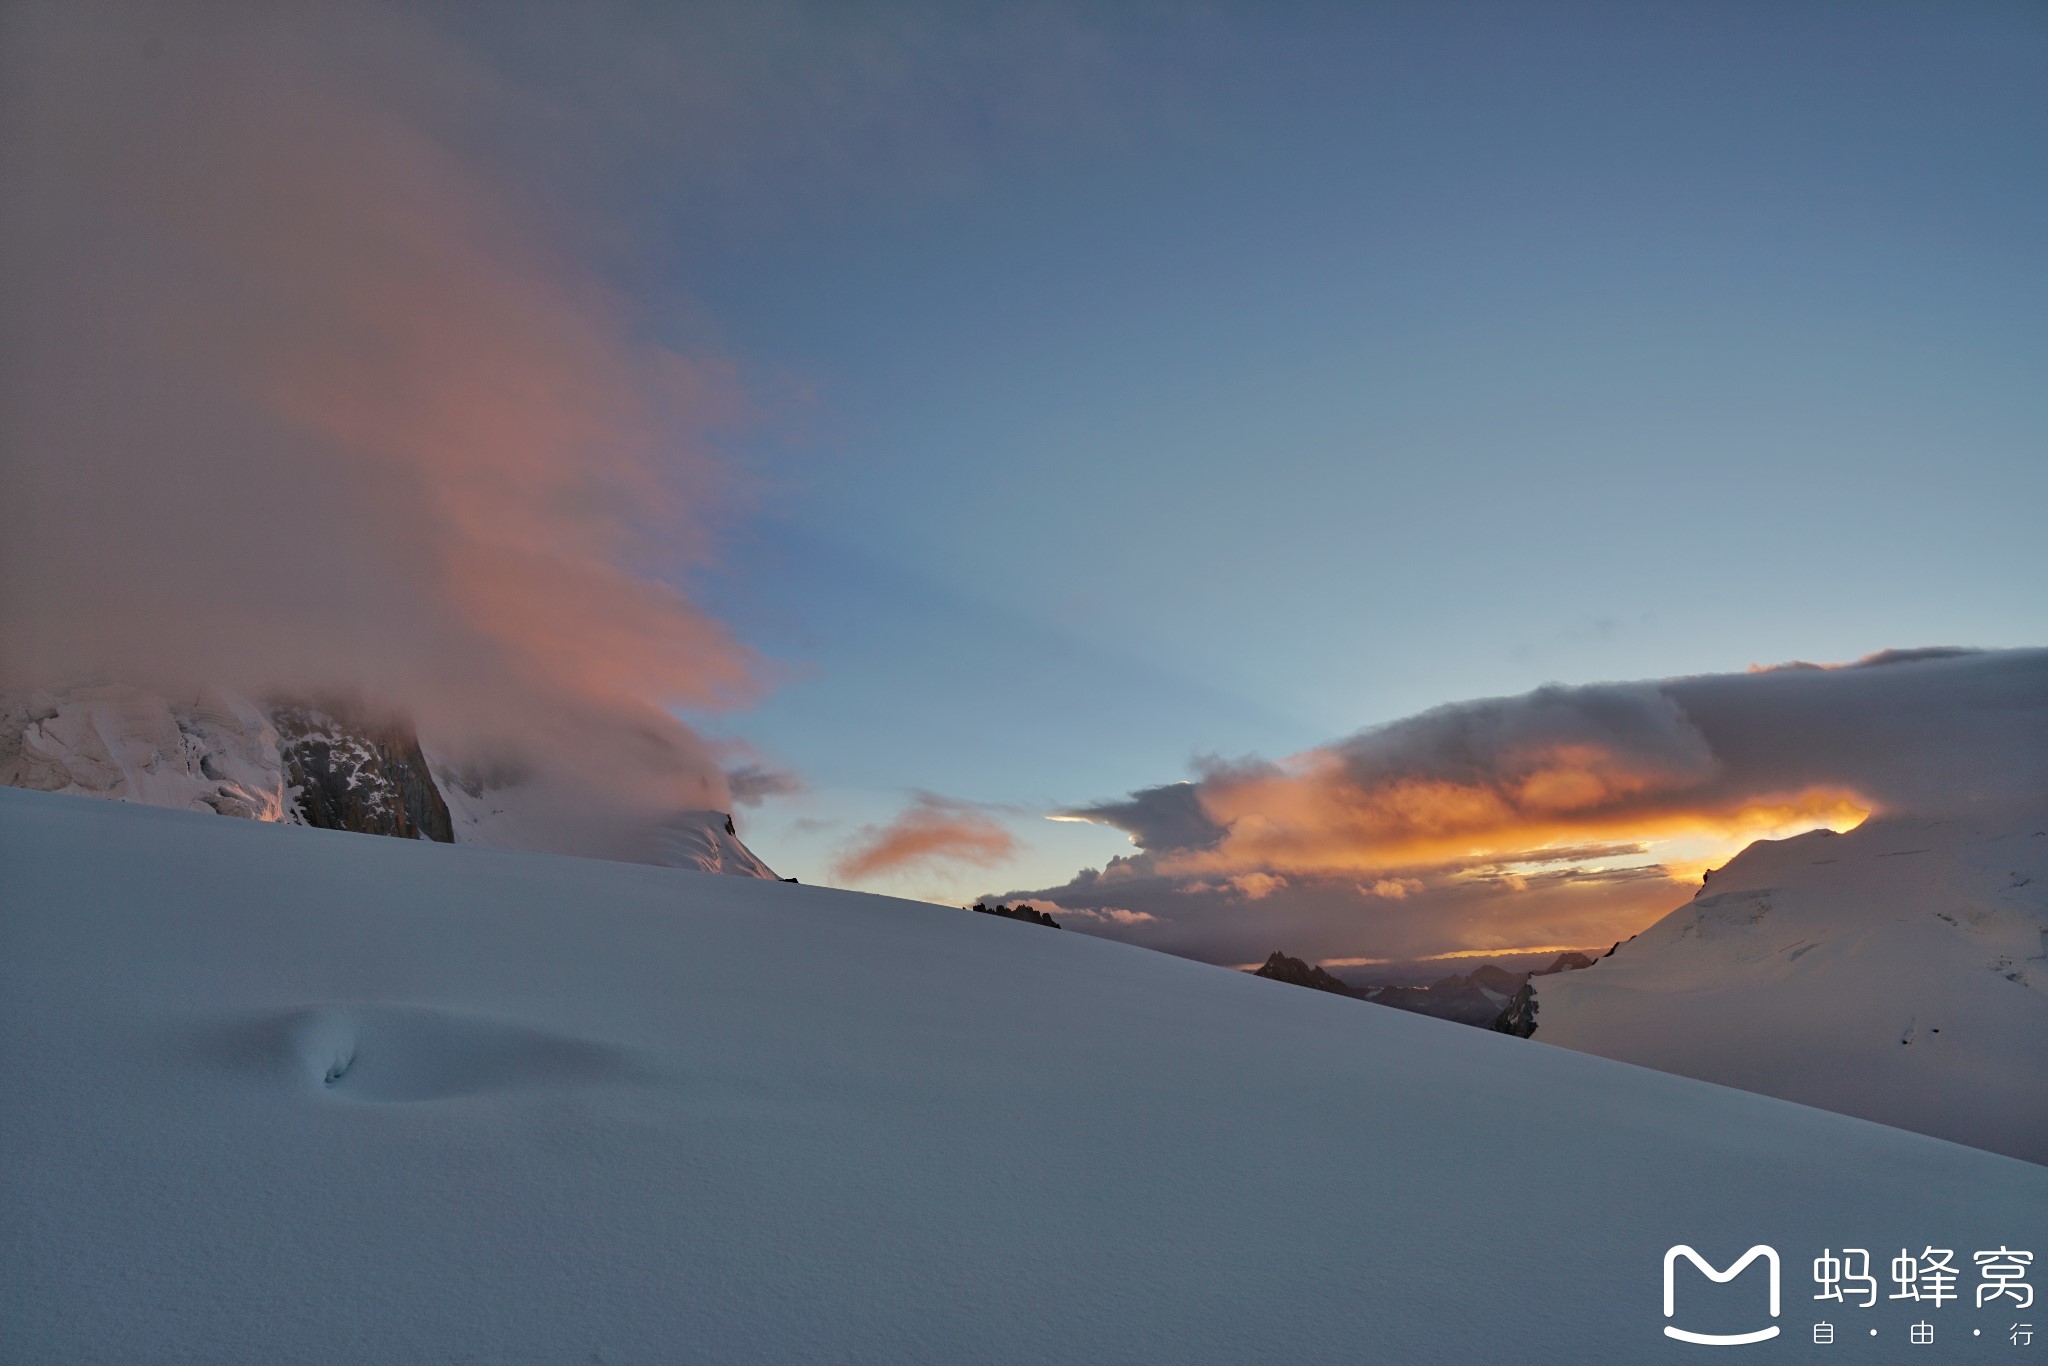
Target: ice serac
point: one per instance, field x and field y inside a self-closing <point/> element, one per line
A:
<point x="204" y="752"/>
<point x="1898" y="972"/>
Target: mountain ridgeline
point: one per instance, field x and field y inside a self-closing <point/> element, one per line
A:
<point x="1017" y="912"/>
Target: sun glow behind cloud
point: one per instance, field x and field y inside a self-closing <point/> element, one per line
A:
<point x="1280" y="828"/>
<point x="1566" y="816"/>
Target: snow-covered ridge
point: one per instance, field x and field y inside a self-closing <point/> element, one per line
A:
<point x="328" y="765"/>
<point x="211" y="752"/>
<point x="512" y="1108"/>
<point x="1898" y="972"/>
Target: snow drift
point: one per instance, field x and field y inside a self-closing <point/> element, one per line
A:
<point x="284" y="1094"/>
<point x="1898" y="972"/>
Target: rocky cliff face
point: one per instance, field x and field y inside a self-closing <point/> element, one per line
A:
<point x="350" y="772"/>
<point x="1518" y="1017"/>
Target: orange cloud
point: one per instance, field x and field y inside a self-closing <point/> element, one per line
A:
<point x="1311" y="824"/>
<point x="931" y="831"/>
<point x="310" y="397"/>
<point x="1481" y="781"/>
<point x="1566" y="816"/>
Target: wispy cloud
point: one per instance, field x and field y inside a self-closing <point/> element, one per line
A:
<point x="932" y="832"/>
<point x="753" y="784"/>
<point x="1105" y="915"/>
<point x="303" y="392"/>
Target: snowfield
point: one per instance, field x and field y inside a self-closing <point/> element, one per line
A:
<point x="1898" y="972"/>
<point x="276" y="1094"/>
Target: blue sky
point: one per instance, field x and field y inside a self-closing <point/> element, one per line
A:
<point x="1333" y="363"/>
<point x="975" y="412"/>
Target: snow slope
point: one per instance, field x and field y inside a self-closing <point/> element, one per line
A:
<point x="1898" y="972"/>
<point x="555" y="816"/>
<point x="442" y="1104"/>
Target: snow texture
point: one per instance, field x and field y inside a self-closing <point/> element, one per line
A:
<point x="213" y="753"/>
<point x="523" y="811"/>
<point x="1898" y="972"/>
<point x="282" y="1094"/>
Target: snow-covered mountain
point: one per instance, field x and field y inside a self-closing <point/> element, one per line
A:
<point x="518" y="810"/>
<point x="334" y="766"/>
<point x="213" y="753"/>
<point x="465" y="1105"/>
<point x="1898" y="972"/>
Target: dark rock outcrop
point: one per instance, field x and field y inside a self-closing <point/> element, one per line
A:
<point x="1294" y="972"/>
<point x="1019" y="912"/>
<point x="1518" y="1017"/>
<point x="351" y="772"/>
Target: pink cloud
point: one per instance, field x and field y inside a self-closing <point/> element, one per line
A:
<point x="306" y="397"/>
<point x="930" y="832"/>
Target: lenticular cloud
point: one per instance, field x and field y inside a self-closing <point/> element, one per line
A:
<point x="1568" y="814"/>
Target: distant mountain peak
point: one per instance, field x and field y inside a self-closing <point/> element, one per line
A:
<point x="1863" y="972"/>
<point x="1280" y="968"/>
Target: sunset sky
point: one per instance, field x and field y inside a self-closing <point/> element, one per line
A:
<point x="1364" y="361"/>
<point x="957" y="416"/>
